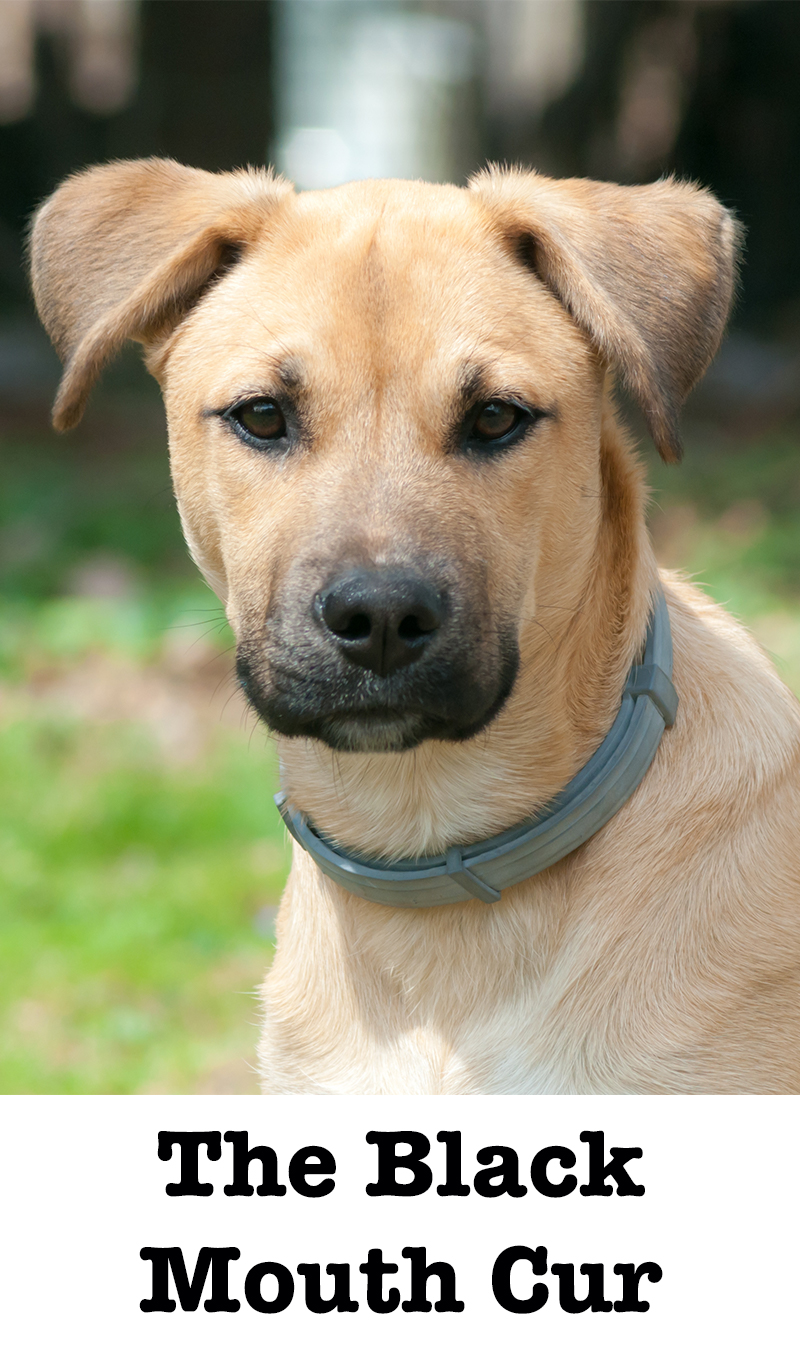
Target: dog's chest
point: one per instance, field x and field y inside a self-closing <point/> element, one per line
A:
<point x="423" y="1061"/>
<point x="452" y="1043"/>
<point x="360" y="1001"/>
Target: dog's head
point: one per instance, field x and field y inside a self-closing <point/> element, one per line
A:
<point x="384" y="405"/>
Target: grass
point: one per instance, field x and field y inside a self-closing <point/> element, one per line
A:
<point x="140" y="854"/>
<point x="730" y="518"/>
<point x="129" y="895"/>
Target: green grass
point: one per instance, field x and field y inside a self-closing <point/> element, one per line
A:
<point x="729" y="517"/>
<point x="129" y="891"/>
<point x="139" y="855"/>
<point x="138" y="841"/>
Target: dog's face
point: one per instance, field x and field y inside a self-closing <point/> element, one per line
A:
<point x="384" y="405"/>
<point x="380" y="421"/>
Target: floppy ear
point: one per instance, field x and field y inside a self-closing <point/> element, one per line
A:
<point x="646" y="272"/>
<point x="122" y="251"/>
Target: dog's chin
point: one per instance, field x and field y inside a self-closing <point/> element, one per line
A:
<point x="388" y="733"/>
<point x="380" y="733"/>
<point x="363" y="724"/>
<point x="377" y="731"/>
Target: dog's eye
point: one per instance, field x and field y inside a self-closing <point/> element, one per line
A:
<point x="261" y="419"/>
<point x="492" y="427"/>
<point x="495" y="420"/>
<point x="496" y="425"/>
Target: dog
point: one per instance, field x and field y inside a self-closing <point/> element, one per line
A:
<point x="397" y="461"/>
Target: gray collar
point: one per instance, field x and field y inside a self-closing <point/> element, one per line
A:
<point x="589" y="800"/>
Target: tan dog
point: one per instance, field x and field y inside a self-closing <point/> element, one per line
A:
<point x="398" y="392"/>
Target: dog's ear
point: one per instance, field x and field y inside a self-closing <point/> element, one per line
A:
<point x="647" y="273"/>
<point x="122" y="251"/>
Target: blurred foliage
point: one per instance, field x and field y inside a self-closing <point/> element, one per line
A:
<point x="729" y="518"/>
<point x="748" y="497"/>
<point x="139" y="862"/>
<point x="63" y="500"/>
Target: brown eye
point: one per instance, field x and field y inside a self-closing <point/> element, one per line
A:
<point x="494" y="420"/>
<point x="261" y="419"/>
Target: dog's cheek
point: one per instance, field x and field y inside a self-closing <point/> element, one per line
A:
<point x="210" y="563"/>
<point x="201" y="529"/>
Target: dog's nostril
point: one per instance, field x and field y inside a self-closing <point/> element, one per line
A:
<point x="347" y="618"/>
<point x="414" y="626"/>
<point x="356" y="628"/>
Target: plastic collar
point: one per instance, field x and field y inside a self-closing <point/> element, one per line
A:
<point x="483" y="870"/>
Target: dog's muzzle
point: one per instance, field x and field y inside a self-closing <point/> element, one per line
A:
<point x="379" y="659"/>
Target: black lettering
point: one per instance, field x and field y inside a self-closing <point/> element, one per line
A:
<point x="595" y="1297"/>
<point x="341" y="1299"/>
<point x="312" y="1160"/>
<point x="421" y="1271"/>
<point x="389" y="1162"/>
<point x="452" y="1186"/>
<point x="190" y="1142"/>
<point x="253" y="1293"/>
<point x="539" y="1179"/>
<point x="507" y="1171"/>
<point x="240" y="1186"/>
<point x="189" y="1293"/>
<point x="375" y="1270"/>
<point x="599" y="1171"/>
<point x="501" y="1279"/>
<point x="630" y="1275"/>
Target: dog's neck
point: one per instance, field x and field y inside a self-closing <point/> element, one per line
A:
<point x="576" y="650"/>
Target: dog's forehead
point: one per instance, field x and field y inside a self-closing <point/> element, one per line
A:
<point x="380" y="282"/>
<point x="383" y="248"/>
<point x="389" y="221"/>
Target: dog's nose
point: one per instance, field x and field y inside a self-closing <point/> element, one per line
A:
<point x="382" y="620"/>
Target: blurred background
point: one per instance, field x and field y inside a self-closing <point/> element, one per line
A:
<point x="141" y="859"/>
